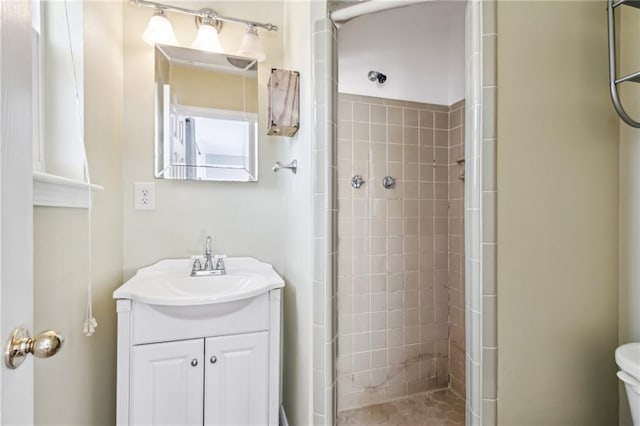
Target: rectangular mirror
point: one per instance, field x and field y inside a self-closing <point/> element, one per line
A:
<point x="206" y="115"/>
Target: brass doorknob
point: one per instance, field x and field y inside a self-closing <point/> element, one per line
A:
<point x="42" y="345"/>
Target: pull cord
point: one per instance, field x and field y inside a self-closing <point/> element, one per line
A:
<point x="89" y="325"/>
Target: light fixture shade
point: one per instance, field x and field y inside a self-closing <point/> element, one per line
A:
<point x="159" y="30"/>
<point x="207" y="39"/>
<point x="251" y="46"/>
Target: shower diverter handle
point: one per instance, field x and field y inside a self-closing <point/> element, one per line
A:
<point x="389" y="182"/>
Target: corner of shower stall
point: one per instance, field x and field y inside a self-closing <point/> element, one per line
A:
<point x="354" y="365"/>
<point x="400" y="249"/>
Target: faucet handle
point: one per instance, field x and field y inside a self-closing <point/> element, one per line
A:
<point x="208" y="246"/>
<point x="197" y="266"/>
<point x="220" y="262"/>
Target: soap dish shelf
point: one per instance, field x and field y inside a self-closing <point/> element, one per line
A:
<point x="460" y="162"/>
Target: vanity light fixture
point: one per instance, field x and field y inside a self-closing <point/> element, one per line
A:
<point x="207" y="38"/>
<point x="209" y="23"/>
<point x="159" y="30"/>
<point x="251" y="46"/>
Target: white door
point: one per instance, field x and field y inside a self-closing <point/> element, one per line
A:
<point x="16" y="204"/>
<point x="236" y="380"/>
<point x="167" y="383"/>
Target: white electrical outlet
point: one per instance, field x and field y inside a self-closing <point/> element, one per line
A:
<point x="145" y="196"/>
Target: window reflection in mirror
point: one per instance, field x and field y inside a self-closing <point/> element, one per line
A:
<point x="206" y="116"/>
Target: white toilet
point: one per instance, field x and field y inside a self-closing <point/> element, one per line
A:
<point x="628" y="359"/>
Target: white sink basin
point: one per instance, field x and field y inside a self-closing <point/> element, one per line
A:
<point x="169" y="283"/>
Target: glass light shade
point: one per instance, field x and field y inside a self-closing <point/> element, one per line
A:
<point x="251" y="46"/>
<point x="159" y="31"/>
<point x="207" y="39"/>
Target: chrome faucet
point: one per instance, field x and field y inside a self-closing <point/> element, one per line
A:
<point x="198" y="271"/>
<point x="208" y="264"/>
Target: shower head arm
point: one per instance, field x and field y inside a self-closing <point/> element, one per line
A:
<point x="376" y="75"/>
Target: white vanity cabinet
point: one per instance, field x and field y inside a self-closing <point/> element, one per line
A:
<point x="199" y="364"/>
<point x="166" y="383"/>
<point x="236" y="379"/>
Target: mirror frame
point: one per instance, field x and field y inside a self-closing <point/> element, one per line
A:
<point x="165" y="114"/>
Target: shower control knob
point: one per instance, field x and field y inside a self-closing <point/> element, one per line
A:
<point x="357" y="181"/>
<point x="389" y="182"/>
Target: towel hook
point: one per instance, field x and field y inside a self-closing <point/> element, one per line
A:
<point x="293" y="166"/>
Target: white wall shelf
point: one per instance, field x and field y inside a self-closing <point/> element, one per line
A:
<point x="57" y="191"/>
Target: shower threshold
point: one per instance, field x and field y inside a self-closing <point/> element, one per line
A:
<point x="437" y="408"/>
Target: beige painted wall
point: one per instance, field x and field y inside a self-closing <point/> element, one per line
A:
<point x="557" y="216"/>
<point x="77" y="387"/>
<point x="296" y="224"/>
<point x="629" y="227"/>
<point x="242" y="218"/>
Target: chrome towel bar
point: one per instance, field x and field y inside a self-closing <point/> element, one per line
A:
<point x="613" y="80"/>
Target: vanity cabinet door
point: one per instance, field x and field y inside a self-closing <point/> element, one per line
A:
<point x="167" y="383"/>
<point x="236" y="379"/>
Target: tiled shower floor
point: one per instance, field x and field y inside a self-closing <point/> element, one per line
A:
<point x="439" y="408"/>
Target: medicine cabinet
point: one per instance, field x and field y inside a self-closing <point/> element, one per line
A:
<point x="206" y="115"/>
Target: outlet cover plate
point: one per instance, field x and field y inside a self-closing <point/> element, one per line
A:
<point x="144" y="196"/>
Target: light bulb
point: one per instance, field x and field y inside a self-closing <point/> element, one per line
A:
<point x="159" y="30"/>
<point x="207" y="38"/>
<point x="251" y="46"/>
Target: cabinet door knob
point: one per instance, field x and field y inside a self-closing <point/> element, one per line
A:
<point x="213" y="360"/>
<point x="194" y="362"/>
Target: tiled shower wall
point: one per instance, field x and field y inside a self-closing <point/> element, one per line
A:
<point x="456" y="248"/>
<point x="400" y="251"/>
